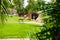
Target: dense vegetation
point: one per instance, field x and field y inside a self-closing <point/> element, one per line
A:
<point x="51" y="29"/>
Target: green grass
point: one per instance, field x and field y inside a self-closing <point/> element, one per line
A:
<point x="18" y="30"/>
<point x="14" y="19"/>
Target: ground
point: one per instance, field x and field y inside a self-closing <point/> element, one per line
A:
<point x="13" y="29"/>
<point x="18" y="30"/>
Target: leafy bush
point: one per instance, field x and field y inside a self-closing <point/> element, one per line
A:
<point x="51" y="28"/>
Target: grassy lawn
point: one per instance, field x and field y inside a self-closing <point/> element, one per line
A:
<point x="16" y="30"/>
<point x="14" y="19"/>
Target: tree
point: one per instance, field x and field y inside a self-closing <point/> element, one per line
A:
<point x="4" y="5"/>
<point x="18" y="5"/>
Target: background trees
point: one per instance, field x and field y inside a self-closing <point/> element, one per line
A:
<point x="18" y="5"/>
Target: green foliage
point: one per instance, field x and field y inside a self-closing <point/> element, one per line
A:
<point x="4" y="5"/>
<point x="18" y="5"/>
<point x="52" y="23"/>
<point x="50" y="30"/>
<point x="35" y="5"/>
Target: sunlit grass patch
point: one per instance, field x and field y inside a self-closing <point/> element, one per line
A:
<point x="18" y="30"/>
